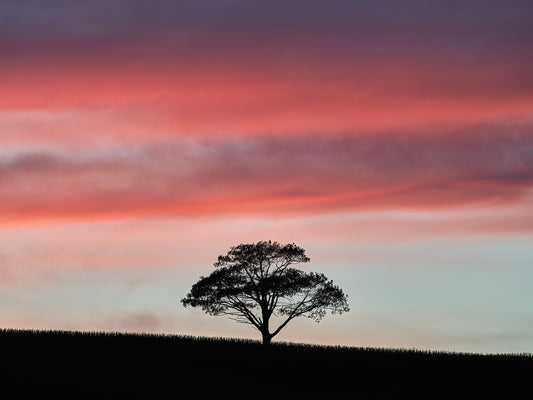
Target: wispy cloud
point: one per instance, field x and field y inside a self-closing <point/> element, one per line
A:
<point x="246" y="68"/>
<point x="271" y="175"/>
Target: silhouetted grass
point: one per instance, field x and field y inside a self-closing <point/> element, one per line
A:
<point x="116" y="365"/>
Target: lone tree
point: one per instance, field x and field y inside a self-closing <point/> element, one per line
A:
<point x="255" y="282"/>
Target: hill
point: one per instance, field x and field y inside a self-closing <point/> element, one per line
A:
<point x="59" y="364"/>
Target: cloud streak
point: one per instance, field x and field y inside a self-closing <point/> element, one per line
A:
<point x="271" y="175"/>
<point x="245" y="68"/>
<point x="245" y="93"/>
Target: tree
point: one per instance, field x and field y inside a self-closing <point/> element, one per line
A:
<point x="254" y="282"/>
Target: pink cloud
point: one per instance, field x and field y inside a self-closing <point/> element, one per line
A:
<point x="166" y="88"/>
<point x="270" y="176"/>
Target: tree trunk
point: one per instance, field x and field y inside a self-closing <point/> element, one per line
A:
<point x="267" y="337"/>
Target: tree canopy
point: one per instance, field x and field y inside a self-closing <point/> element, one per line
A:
<point x="254" y="282"/>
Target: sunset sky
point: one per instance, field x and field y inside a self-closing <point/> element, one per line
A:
<point x="393" y="140"/>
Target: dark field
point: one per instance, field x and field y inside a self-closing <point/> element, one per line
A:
<point x="42" y="364"/>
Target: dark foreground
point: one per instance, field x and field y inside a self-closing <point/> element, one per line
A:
<point x="114" y="366"/>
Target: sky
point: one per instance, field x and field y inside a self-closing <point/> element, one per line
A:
<point x="392" y="140"/>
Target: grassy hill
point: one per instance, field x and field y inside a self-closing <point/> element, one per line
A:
<point x="57" y="364"/>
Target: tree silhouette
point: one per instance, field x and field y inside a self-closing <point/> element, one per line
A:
<point x="255" y="282"/>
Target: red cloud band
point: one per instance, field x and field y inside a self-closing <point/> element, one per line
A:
<point x="171" y="87"/>
<point x="304" y="174"/>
